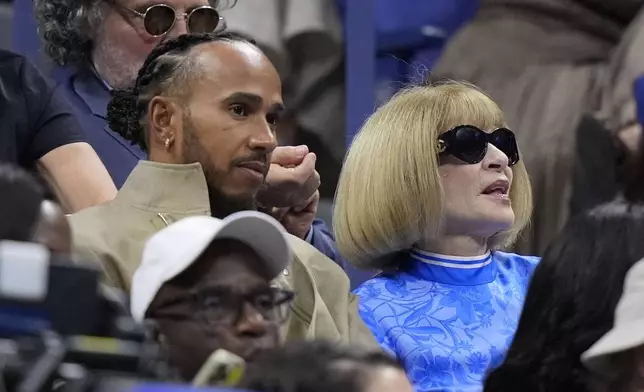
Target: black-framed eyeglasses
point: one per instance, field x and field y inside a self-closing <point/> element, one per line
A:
<point x="469" y="143"/>
<point x="159" y="19"/>
<point x="221" y="307"/>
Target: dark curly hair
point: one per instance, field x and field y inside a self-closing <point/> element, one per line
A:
<point x="314" y="366"/>
<point x="66" y="26"/>
<point x="571" y="302"/>
<point x="168" y="68"/>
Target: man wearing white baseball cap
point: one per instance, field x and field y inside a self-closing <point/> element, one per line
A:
<point x="206" y="284"/>
<point x="618" y="356"/>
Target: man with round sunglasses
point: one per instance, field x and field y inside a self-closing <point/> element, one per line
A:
<point x="112" y="38"/>
<point x="103" y="43"/>
<point x="100" y="46"/>
<point x="206" y="284"/>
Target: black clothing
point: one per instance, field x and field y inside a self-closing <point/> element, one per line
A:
<point x="34" y="118"/>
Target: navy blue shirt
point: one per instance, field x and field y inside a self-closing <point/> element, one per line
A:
<point x="35" y="117"/>
<point x="89" y="97"/>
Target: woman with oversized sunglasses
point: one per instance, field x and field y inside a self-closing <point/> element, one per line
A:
<point x="432" y="188"/>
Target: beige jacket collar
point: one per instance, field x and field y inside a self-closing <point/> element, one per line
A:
<point x="167" y="188"/>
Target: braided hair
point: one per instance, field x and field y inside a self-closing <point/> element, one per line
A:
<point x="168" y="68"/>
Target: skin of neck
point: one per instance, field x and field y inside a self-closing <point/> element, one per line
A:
<point x="455" y="245"/>
<point x="161" y="156"/>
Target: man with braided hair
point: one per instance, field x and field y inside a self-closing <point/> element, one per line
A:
<point x="205" y="108"/>
<point x="103" y="43"/>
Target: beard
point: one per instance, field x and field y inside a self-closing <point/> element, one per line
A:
<point x="221" y="204"/>
<point x="117" y="66"/>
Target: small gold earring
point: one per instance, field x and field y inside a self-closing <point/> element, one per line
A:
<point x="167" y="143"/>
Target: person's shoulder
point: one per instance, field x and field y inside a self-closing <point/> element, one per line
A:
<point x="94" y="226"/>
<point x="8" y="58"/>
<point x="324" y="307"/>
<point x="90" y="215"/>
<point x="313" y="268"/>
<point x="19" y="73"/>
<point x="374" y="287"/>
<point x="312" y="258"/>
<point x="11" y="70"/>
<point x="88" y="226"/>
<point x="16" y="68"/>
<point x="101" y="234"/>
<point x="516" y="259"/>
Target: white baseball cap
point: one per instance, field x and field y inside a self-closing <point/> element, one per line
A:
<point x="628" y="328"/>
<point x="173" y="249"/>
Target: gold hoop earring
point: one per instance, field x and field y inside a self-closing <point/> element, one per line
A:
<point x="167" y="144"/>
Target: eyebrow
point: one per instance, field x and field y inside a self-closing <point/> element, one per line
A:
<point x="256" y="100"/>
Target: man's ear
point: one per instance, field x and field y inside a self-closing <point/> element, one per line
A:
<point x="164" y="121"/>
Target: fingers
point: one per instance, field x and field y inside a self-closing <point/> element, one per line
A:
<point x="298" y="220"/>
<point x="279" y="213"/>
<point x="308" y="178"/>
<point x="306" y="169"/>
<point x="289" y="155"/>
<point x="310" y="205"/>
<point x="290" y="186"/>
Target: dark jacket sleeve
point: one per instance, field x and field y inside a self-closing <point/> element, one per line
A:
<point x="322" y="239"/>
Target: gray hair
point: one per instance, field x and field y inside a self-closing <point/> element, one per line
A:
<point x="67" y="26"/>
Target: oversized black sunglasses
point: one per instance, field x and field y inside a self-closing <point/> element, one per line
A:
<point x="159" y="19"/>
<point x="469" y="143"/>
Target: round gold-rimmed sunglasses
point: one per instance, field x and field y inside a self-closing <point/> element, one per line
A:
<point x="159" y="19"/>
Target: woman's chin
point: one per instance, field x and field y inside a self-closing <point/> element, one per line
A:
<point x="497" y="222"/>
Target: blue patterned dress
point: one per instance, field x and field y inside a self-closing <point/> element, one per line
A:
<point x="448" y="318"/>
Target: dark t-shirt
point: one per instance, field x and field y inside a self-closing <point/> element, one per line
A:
<point x="34" y="118"/>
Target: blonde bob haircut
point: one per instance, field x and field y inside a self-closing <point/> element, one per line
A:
<point x="389" y="195"/>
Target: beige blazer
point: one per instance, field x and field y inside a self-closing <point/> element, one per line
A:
<point x="156" y="195"/>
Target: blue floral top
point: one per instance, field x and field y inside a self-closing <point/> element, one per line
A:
<point x="448" y="319"/>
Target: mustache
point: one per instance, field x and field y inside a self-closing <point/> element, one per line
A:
<point x="254" y="157"/>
